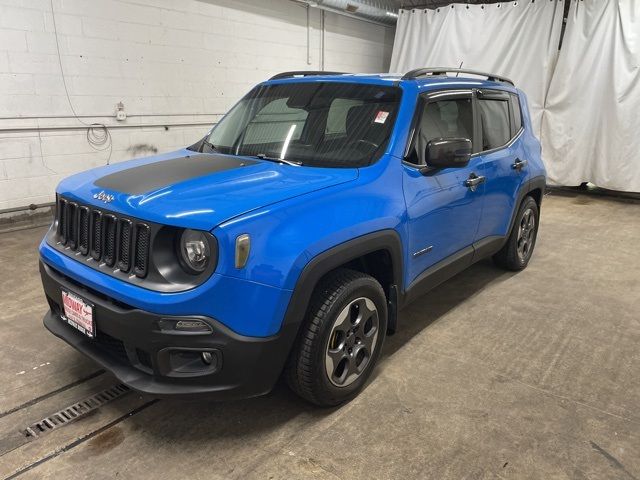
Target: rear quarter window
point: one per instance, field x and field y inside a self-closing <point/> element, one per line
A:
<point x="517" y="113"/>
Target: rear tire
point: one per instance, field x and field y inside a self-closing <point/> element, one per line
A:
<point x="340" y="340"/>
<point x="516" y="253"/>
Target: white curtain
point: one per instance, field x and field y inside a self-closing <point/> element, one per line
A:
<point x="591" y="125"/>
<point x="516" y="39"/>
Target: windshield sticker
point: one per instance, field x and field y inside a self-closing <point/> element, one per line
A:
<point x="381" y="116"/>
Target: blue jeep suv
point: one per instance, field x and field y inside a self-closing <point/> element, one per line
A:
<point x="286" y="241"/>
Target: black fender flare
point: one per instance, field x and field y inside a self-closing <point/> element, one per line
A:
<point x="331" y="259"/>
<point x="539" y="182"/>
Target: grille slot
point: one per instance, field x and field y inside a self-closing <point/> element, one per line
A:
<point x="62" y="219"/>
<point x="110" y="226"/>
<point x="83" y="230"/>
<point x="62" y="222"/>
<point x="142" y="249"/>
<point x="96" y="234"/>
<point x="105" y="237"/>
<point x="72" y="225"/>
<point x="124" y="247"/>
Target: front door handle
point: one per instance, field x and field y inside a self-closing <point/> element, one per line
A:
<point x="473" y="181"/>
<point x="519" y="164"/>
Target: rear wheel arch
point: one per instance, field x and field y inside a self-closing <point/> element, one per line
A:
<point x="534" y="188"/>
<point x="536" y="194"/>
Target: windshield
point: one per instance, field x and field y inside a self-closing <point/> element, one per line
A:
<point x="317" y="124"/>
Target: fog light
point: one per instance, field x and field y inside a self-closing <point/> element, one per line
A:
<point x="207" y="357"/>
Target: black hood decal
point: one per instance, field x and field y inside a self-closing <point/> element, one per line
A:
<point x="146" y="178"/>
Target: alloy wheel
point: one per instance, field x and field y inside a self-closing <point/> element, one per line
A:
<point x="352" y="341"/>
<point x="526" y="234"/>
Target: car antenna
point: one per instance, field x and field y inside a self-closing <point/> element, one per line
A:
<point x="458" y="73"/>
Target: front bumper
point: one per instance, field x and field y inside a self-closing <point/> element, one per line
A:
<point x="130" y="344"/>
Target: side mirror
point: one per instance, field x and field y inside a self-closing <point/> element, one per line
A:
<point x="448" y="152"/>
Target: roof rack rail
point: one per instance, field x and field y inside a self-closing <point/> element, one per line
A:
<point x="304" y="73"/>
<point x="422" y="72"/>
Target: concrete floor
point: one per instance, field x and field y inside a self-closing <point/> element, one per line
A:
<point x="491" y="375"/>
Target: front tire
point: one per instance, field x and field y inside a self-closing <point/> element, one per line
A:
<point x="340" y="341"/>
<point x="516" y="253"/>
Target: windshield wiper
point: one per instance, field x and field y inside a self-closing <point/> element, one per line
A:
<point x="211" y="146"/>
<point x="264" y="156"/>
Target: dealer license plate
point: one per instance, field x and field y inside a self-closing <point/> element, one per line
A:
<point x="78" y="313"/>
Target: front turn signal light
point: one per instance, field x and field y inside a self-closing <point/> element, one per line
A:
<point x="243" y="246"/>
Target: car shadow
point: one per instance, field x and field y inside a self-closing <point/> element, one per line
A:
<point x="432" y="306"/>
<point x="413" y="320"/>
<point x="243" y="422"/>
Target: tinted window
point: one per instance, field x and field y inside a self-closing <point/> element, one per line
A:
<point x="451" y="118"/>
<point x="337" y="116"/>
<point x="275" y="120"/>
<point x="325" y="124"/>
<point x="494" y="117"/>
<point x="517" y="114"/>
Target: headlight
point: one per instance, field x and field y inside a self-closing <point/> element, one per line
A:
<point x="194" y="251"/>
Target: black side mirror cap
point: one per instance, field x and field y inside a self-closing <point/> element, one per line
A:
<point x="448" y="153"/>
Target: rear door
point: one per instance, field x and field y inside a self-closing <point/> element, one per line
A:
<point x="503" y="159"/>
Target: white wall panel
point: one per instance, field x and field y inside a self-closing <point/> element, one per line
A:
<point x="167" y="61"/>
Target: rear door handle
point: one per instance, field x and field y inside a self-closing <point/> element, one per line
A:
<point x="473" y="181"/>
<point x="519" y="164"/>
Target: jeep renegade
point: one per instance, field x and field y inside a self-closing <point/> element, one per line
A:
<point x="286" y="241"/>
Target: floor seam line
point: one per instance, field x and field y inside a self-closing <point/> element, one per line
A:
<point x="538" y="389"/>
<point x="81" y="440"/>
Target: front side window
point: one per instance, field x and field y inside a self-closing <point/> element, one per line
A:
<point x="494" y="118"/>
<point x="322" y="124"/>
<point x="451" y="118"/>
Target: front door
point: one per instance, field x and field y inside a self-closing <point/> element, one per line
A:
<point x="443" y="205"/>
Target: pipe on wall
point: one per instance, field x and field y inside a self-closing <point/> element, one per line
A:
<point x="380" y="12"/>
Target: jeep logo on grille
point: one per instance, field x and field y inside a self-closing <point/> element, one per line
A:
<point x="105" y="197"/>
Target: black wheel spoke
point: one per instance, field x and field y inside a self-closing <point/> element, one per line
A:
<point x="336" y="355"/>
<point x="367" y="339"/>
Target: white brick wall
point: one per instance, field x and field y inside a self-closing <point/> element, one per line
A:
<point x="169" y="62"/>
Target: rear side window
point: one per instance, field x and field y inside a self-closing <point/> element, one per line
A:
<point x="496" y="128"/>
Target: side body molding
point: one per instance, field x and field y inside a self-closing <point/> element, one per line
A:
<point x="461" y="260"/>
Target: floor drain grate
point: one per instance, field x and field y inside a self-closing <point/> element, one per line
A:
<point x="75" y="411"/>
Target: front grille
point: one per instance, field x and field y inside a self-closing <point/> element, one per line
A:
<point x="115" y="241"/>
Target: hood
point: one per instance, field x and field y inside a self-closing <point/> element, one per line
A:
<point x="196" y="190"/>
